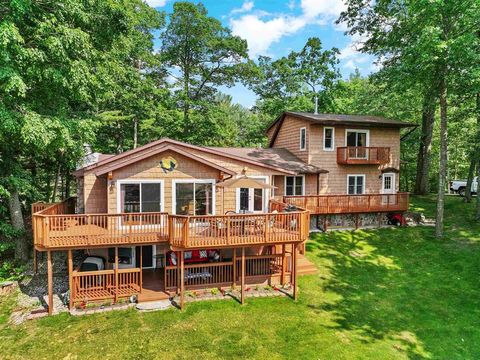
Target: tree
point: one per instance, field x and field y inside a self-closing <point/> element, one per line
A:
<point x="55" y="65"/>
<point x="426" y="40"/>
<point x="201" y="55"/>
<point x="290" y="82"/>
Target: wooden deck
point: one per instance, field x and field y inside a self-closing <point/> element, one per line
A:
<point x="55" y="229"/>
<point x="350" y="204"/>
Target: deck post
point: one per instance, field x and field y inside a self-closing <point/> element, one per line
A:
<point x="243" y="277"/>
<point x="141" y="266"/>
<point x="234" y="258"/>
<point x="50" y="282"/>
<point x="70" y="278"/>
<point x="284" y="265"/>
<point x="182" y="281"/>
<point x="116" y="273"/>
<point x="35" y="265"/>
<point x="294" y="270"/>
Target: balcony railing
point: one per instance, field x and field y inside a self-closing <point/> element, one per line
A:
<point x="361" y="155"/>
<point x="54" y="227"/>
<point x="104" y="284"/>
<point x="349" y="204"/>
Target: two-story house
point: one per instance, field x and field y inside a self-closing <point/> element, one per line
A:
<point x="170" y="216"/>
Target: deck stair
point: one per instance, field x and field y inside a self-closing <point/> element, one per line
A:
<point x="304" y="266"/>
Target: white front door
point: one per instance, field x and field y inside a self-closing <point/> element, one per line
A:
<point x="388" y="183"/>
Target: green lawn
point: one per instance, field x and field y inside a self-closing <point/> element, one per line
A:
<point x="380" y="294"/>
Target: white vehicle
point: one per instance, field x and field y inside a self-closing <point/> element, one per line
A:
<point x="460" y="186"/>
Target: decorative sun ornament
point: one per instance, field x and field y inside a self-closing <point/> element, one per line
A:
<point x="168" y="164"/>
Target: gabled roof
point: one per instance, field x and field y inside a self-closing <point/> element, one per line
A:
<point x="275" y="157"/>
<point x="337" y="119"/>
<point x="129" y="157"/>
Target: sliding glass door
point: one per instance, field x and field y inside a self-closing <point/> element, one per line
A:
<point x="140" y="197"/>
<point x="193" y="197"/>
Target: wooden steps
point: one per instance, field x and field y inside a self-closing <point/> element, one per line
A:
<point x="304" y="266"/>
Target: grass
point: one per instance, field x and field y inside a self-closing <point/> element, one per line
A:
<point x="380" y="294"/>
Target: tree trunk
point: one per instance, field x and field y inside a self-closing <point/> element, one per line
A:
<point x="442" y="173"/>
<point x="471" y="173"/>
<point x="16" y="217"/>
<point x="423" y="158"/>
<point x="55" y="186"/>
<point x="477" y="215"/>
<point x="135" y="133"/>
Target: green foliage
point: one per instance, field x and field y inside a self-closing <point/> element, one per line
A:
<point x="293" y="81"/>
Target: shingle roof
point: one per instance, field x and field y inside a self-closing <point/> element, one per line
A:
<point x="337" y="119"/>
<point x="277" y="157"/>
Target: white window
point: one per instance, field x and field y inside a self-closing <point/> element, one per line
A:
<point x="303" y="138"/>
<point x="357" y="137"/>
<point x="193" y="197"/>
<point x="328" y="138"/>
<point x="294" y="185"/>
<point x="139" y="196"/>
<point x="355" y="184"/>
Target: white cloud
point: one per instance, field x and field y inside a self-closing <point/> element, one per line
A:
<point x="261" y="34"/>
<point x="261" y="30"/>
<point x="351" y="54"/>
<point x="314" y="8"/>
<point x="156" y="3"/>
<point x="246" y="7"/>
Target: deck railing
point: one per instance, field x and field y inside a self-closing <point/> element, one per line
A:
<point x="350" y="155"/>
<point x="237" y="230"/>
<point x="69" y="231"/>
<point x="349" y="204"/>
<point x="224" y="273"/>
<point x="103" y="284"/>
<point x="57" y="227"/>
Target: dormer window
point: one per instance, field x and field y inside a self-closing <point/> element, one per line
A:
<point x="328" y="138"/>
<point x="303" y="138"/>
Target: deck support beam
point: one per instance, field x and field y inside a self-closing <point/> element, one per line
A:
<point x="182" y="280"/>
<point x="141" y="270"/>
<point x="284" y="264"/>
<point x="243" y="277"/>
<point x="70" y="278"/>
<point x="234" y="265"/>
<point x="50" y="282"/>
<point x="35" y="264"/>
<point x="116" y="273"/>
<point x="294" y="271"/>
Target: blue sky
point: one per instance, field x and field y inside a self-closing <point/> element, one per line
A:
<point x="275" y="27"/>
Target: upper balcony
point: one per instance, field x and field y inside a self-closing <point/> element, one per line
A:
<point x="56" y="227"/>
<point x="362" y="155"/>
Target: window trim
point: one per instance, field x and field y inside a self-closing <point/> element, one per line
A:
<point x="364" y="186"/>
<point x="367" y="131"/>
<point x="188" y="181"/>
<point x="294" y="184"/>
<point x="141" y="181"/>
<point x="300" y="144"/>
<point x="265" y="192"/>
<point x="333" y="138"/>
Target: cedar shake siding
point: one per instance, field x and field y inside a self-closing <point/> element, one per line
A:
<point x="288" y="137"/>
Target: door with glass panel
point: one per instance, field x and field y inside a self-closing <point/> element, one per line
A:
<point x="357" y="143"/>
<point x="251" y="200"/>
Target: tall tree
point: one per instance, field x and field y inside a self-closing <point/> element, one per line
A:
<point x="201" y="55"/>
<point x="293" y="81"/>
